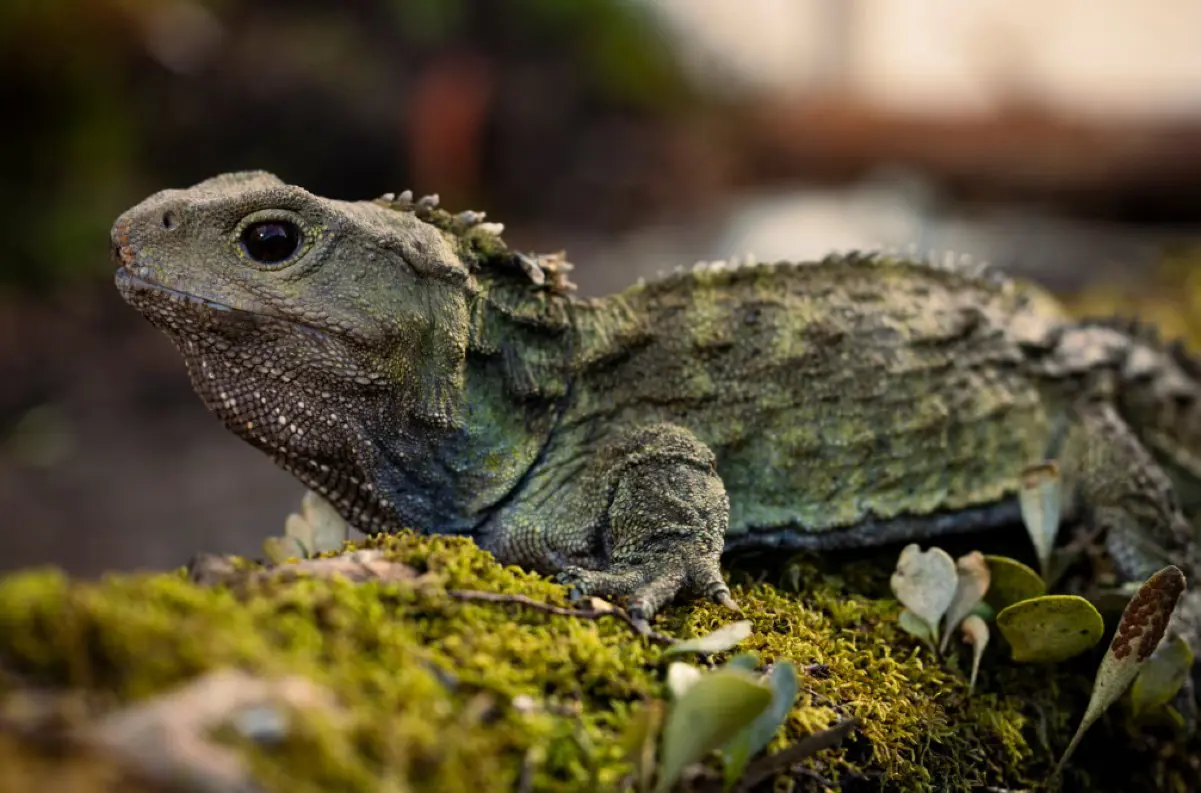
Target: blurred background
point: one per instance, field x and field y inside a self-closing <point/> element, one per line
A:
<point x="1060" y="140"/>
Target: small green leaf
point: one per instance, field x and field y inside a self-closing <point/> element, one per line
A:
<point x="790" y="756"/>
<point x="1040" y="501"/>
<point x="794" y="571"/>
<point x="720" y="640"/>
<point x="745" y="661"/>
<point x="984" y="611"/>
<point x="1012" y="582"/>
<point x="1139" y="632"/>
<point x="1050" y="628"/>
<point x="925" y="583"/>
<point x="280" y="549"/>
<point x="972" y="582"/>
<point x="299" y="530"/>
<point x="1062" y="559"/>
<point x="755" y="737"/>
<point x="329" y="530"/>
<point x="711" y="712"/>
<point x="1111" y="601"/>
<point x="1162" y="677"/>
<point x="975" y="632"/>
<point x="915" y="626"/>
<point x="792" y="578"/>
<point x="638" y="741"/>
<point x="681" y="677"/>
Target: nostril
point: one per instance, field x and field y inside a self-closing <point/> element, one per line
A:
<point x="170" y="220"/>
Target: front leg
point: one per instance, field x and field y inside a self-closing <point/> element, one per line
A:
<point x="656" y="514"/>
<point x="1131" y="499"/>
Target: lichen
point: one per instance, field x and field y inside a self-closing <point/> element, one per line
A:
<point x="443" y="694"/>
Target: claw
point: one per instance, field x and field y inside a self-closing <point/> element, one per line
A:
<point x="727" y="600"/>
<point x="570" y="578"/>
<point x="640" y="625"/>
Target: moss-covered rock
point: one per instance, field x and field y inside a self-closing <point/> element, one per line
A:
<point x="438" y="693"/>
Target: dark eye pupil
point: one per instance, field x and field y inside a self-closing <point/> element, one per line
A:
<point x="271" y="242"/>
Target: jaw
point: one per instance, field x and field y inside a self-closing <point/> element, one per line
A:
<point x="183" y="317"/>
<point x="276" y="385"/>
<point x="324" y="408"/>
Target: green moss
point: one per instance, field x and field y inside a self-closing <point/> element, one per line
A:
<point x="438" y="692"/>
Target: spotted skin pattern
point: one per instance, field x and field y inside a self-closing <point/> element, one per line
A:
<point x="409" y="367"/>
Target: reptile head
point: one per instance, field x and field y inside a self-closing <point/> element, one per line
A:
<point x="287" y="306"/>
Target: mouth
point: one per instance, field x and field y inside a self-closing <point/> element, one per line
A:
<point x="173" y="310"/>
<point x="134" y="288"/>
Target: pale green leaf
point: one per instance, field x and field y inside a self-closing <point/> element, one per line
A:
<point x="638" y="741"/>
<point x="1062" y="559"/>
<point x="1162" y="677"/>
<point x="711" y="712"/>
<point x="972" y="582"/>
<point x="984" y="611"/>
<point x="1050" y="628"/>
<point x="975" y="633"/>
<point x="330" y="530"/>
<point x="280" y="549"/>
<point x="745" y="661"/>
<point x="1011" y="582"/>
<point x="681" y="677"/>
<point x="915" y="626"/>
<point x="794" y="569"/>
<point x="758" y="734"/>
<point x="298" y="529"/>
<point x="1040" y="501"/>
<point x="925" y="583"/>
<point x="791" y="580"/>
<point x="724" y="638"/>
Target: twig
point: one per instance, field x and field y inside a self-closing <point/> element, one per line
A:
<point x="562" y="611"/>
<point x="525" y="783"/>
<point x="821" y="780"/>
<point x="767" y="767"/>
<point x="822" y="698"/>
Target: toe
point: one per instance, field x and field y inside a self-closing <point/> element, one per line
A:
<point x="704" y="574"/>
<point x="648" y="586"/>
<point x="657" y="593"/>
<point x="576" y="581"/>
<point x="615" y="582"/>
<point x="727" y="600"/>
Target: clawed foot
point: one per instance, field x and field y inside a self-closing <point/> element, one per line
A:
<point x="649" y="586"/>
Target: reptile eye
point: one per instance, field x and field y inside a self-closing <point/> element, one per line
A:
<point x="271" y="241"/>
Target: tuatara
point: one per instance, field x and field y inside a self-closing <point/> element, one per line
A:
<point x="407" y="365"/>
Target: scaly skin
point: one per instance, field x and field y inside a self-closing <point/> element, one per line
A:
<point x="410" y="368"/>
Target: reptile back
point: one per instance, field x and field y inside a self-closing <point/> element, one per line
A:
<point x="852" y="391"/>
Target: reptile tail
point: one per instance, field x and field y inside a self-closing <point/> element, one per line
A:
<point x="1158" y="389"/>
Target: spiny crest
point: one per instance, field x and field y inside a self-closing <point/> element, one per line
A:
<point x="482" y="244"/>
<point x="1147" y="334"/>
<point x="944" y="261"/>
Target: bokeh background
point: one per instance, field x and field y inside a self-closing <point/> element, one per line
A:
<point x="1060" y="140"/>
